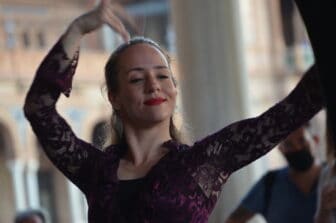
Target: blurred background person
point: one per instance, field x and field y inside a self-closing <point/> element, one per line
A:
<point x="287" y="194"/>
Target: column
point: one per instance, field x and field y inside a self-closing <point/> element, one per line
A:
<point x="77" y="206"/>
<point x="32" y="184"/>
<point x="210" y="59"/>
<point x="77" y="202"/>
<point x="213" y="77"/>
<point x="16" y="169"/>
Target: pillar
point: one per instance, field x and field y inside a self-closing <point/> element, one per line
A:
<point x="16" y="168"/>
<point x="32" y="185"/>
<point x="213" y="77"/>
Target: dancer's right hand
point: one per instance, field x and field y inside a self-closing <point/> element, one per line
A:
<point x="105" y="13"/>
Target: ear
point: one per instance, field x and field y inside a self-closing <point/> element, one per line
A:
<point x="113" y="98"/>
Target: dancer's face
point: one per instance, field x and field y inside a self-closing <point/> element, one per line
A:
<point x="147" y="93"/>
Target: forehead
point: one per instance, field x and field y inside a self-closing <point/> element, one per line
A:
<point x="297" y="134"/>
<point x="142" y="55"/>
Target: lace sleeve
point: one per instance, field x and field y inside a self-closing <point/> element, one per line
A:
<point x="214" y="158"/>
<point x="65" y="150"/>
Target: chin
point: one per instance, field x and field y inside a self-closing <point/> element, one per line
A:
<point x="156" y="118"/>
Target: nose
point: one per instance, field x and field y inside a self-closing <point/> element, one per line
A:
<point x="152" y="84"/>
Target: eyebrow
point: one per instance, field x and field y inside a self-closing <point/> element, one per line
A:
<point x="158" y="67"/>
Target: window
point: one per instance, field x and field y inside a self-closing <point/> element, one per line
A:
<point x="9" y="30"/>
<point x="26" y="39"/>
<point x="41" y="39"/>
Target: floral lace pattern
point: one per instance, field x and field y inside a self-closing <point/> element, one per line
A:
<point x="185" y="184"/>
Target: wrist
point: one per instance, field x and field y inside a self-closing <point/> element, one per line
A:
<point x="76" y="29"/>
<point x="71" y="39"/>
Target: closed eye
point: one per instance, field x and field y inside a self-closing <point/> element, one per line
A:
<point x="163" y="76"/>
<point x="135" y="80"/>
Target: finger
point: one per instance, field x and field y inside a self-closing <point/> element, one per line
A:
<point x="110" y="18"/>
<point x="125" y="17"/>
<point x="126" y="36"/>
<point x="105" y="3"/>
<point x="124" y="33"/>
<point x="115" y="23"/>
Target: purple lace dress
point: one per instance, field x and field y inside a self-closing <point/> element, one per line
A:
<point x="185" y="184"/>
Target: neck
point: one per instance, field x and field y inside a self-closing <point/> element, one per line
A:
<point x="311" y="171"/>
<point x="305" y="180"/>
<point x="144" y="144"/>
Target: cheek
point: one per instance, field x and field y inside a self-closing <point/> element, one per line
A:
<point x="172" y="91"/>
<point x="130" y="101"/>
<point x="131" y="93"/>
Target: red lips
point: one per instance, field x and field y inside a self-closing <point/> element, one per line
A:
<point x="154" y="101"/>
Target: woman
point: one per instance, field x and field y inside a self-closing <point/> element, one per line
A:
<point x="149" y="176"/>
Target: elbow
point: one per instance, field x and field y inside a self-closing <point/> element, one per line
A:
<point x="27" y="111"/>
<point x="29" y="108"/>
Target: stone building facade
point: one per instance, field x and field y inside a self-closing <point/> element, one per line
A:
<point x="28" y="30"/>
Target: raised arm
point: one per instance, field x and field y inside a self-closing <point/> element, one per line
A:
<point x="54" y="76"/>
<point x="214" y="158"/>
